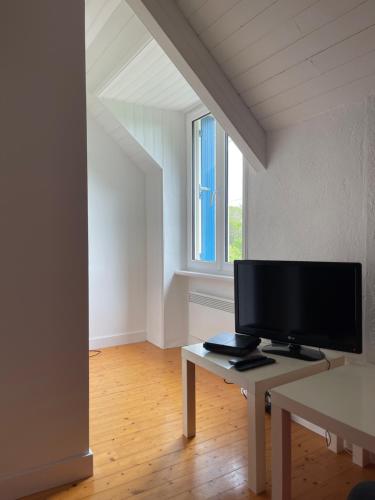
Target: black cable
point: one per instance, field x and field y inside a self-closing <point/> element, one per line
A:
<point x="326" y="433"/>
<point x="328" y="438"/>
<point x="325" y="357"/>
<point x="95" y="352"/>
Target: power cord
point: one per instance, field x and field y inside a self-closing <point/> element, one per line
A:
<point x="243" y="391"/>
<point x="94" y="352"/>
<point x="325" y="357"/>
<point x="326" y="433"/>
<point x="328" y="438"/>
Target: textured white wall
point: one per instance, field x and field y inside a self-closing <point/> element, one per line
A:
<point x="369" y="159"/>
<point x="117" y="242"/>
<point x="44" y="434"/>
<point x="309" y="203"/>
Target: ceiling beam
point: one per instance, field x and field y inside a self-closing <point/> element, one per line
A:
<point x="177" y="38"/>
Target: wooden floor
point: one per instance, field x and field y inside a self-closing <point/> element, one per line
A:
<point x="136" y="437"/>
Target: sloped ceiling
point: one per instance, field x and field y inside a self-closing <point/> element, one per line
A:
<point x="289" y="59"/>
<point x="124" y="62"/>
<point x="152" y="80"/>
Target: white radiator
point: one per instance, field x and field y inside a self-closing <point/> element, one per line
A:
<point x="209" y="315"/>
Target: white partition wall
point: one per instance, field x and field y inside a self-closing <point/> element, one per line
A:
<point x="43" y="252"/>
<point x="162" y="135"/>
<point x="117" y="242"/>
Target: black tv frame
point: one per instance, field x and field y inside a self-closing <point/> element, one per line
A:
<point x="284" y="344"/>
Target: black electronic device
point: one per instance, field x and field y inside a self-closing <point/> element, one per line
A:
<point x="232" y="344"/>
<point x="293" y="303"/>
<point x="252" y="362"/>
<point x="251" y="357"/>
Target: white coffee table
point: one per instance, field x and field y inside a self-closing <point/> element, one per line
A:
<point x="341" y="401"/>
<point x="257" y="382"/>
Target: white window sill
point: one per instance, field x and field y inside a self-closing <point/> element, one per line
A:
<point x="197" y="274"/>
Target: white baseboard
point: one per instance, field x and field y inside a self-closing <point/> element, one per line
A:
<point x="122" y="338"/>
<point x="46" y="476"/>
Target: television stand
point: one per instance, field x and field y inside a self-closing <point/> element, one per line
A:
<point x="293" y="351"/>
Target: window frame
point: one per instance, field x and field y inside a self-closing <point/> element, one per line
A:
<point x="220" y="266"/>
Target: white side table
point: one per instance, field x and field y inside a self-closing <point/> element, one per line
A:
<point x="257" y="381"/>
<point x="341" y="401"/>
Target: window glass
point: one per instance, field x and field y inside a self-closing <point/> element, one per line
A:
<point x="234" y="201"/>
<point x="204" y="189"/>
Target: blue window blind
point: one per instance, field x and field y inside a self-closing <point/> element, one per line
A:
<point x="207" y="188"/>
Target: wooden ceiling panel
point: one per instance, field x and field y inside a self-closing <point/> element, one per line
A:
<point x="210" y="12"/>
<point x="254" y="29"/>
<point x="283" y="55"/>
<point x="337" y="55"/>
<point x="233" y="20"/>
<point x="307" y="46"/>
<point x="338" y="77"/>
<point x="128" y="42"/>
<point x="97" y="14"/>
<point x="123" y="62"/>
<point x="312" y="107"/>
<point x="152" y="80"/>
<point x="280" y="55"/>
<point x="188" y="7"/>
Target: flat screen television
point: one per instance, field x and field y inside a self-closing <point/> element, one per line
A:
<point x="316" y="304"/>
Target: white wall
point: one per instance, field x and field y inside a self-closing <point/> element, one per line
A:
<point x="155" y="258"/>
<point x="43" y="252"/>
<point x="309" y="203"/>
<point x="369" y="161"/>
<point x="162" y="134"/>
<point x="117" y="242"/>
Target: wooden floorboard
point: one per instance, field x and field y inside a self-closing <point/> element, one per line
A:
<point x="139" y="450"/>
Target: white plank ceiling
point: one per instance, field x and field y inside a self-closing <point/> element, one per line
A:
<point x="123" y="61"/>
<point x="290" y="59"/>
<point x="152" y="80"/>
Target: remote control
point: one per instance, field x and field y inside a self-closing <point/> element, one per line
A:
<point x="248" y="364"/>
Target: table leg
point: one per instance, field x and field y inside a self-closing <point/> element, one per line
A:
<point x="337" y="444"/>
<point x="281" y="454"/>
<point x="360" y="456"/>
<point x="188" y="389"/>
<point x="257" y="455"/>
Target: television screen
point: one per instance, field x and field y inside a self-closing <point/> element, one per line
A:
<point x="311" y="303"/>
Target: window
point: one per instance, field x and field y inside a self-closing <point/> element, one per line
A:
<point x="204" y="182"/>
<point x="216" y="196"/>
<point x="233" y="202"/>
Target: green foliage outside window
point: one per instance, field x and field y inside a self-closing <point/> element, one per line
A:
<point x="235" y="233"/>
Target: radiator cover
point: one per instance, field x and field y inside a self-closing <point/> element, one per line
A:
<point x="209" y="315"/>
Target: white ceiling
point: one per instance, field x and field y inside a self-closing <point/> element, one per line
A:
<point x="123" y="61"/>
<point x="152" y="80"/>
<point x="290" y="59"/>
